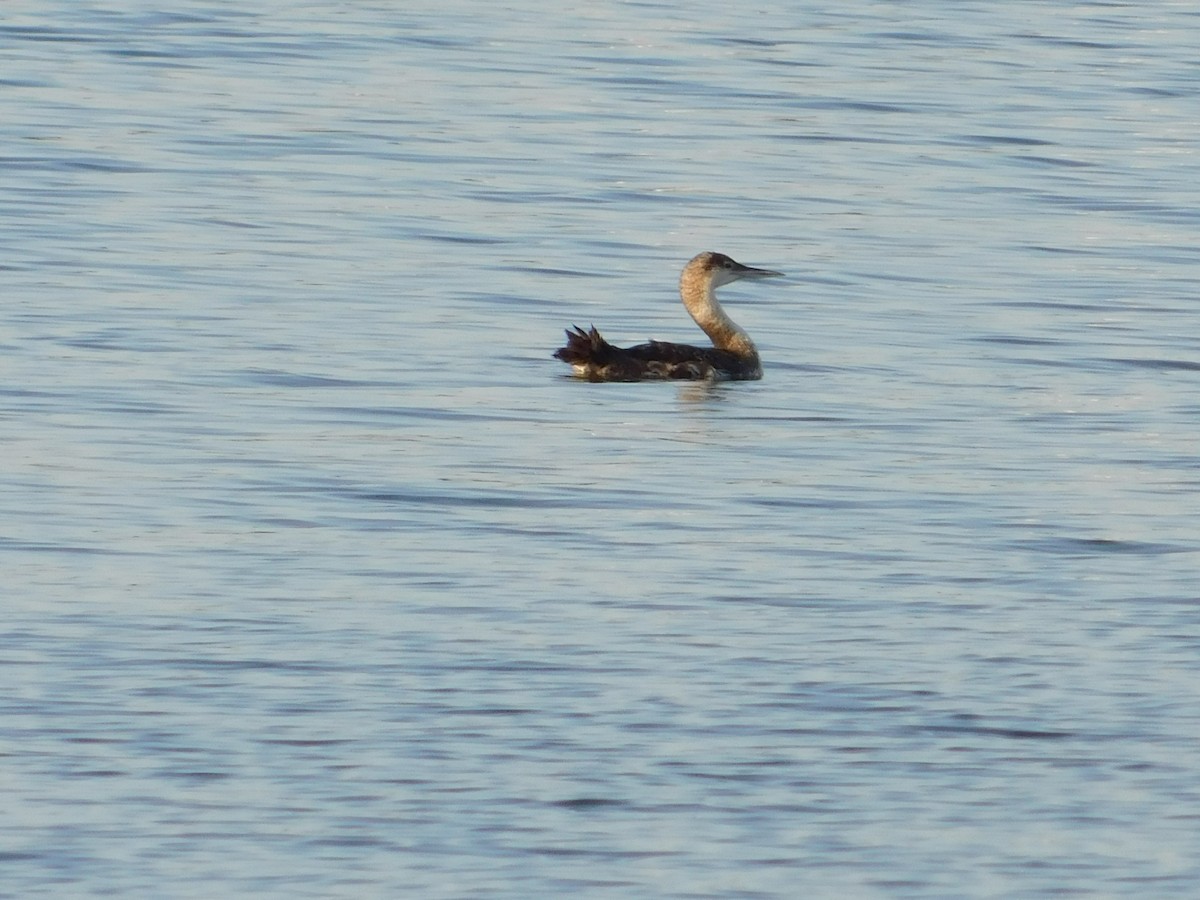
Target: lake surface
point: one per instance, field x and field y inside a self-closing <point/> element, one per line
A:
<point x="321" y="579"/>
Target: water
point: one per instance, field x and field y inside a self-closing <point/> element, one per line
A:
<point x="321" y="580"/>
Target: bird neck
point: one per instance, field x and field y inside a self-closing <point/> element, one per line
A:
<point x="700" y="300"/>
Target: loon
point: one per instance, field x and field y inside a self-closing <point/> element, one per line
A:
<point x="732" y="356"/>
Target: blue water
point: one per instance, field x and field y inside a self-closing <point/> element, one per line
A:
<point x="321" y="579"/>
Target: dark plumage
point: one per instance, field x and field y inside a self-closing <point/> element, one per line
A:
<point x="652" y="361"/>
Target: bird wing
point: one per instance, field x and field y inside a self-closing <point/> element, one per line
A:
<point x="686" y="358"/>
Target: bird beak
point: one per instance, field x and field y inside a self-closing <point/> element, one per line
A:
<point x="751" y="272"/>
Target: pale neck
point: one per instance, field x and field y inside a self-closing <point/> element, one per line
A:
<point x="700" y="299"/>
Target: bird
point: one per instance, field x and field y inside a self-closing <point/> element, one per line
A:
<point x="732" y="357"/>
